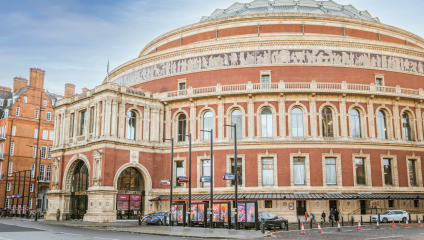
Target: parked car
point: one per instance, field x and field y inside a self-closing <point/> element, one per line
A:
<point x="271" y="220"/>
<point x="155" y="218"/>
<point x="390" y="215"/>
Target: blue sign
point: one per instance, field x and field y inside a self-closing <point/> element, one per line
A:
<point x="229" y="176"/>
<point x="205" y="179"/>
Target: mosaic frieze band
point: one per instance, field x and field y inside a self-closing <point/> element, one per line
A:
<point x="270" y="57"/>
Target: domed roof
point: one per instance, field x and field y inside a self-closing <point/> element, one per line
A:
<point x="290" y="6"/>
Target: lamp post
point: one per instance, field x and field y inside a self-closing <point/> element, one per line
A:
<point x="211" y="177"/>
<point x="235" y="171"/>
<point x="172" y="169"/>
<point x="189" y="179"/>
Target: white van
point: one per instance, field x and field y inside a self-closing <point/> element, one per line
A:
<point x="390" y="215"/>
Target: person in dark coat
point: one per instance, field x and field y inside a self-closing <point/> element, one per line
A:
<point x="336" y="215"/>
<point x="323" y="215"/>
<point x="331" y="215"/>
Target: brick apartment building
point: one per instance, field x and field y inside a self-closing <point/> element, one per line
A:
<point x="26" y="121"/>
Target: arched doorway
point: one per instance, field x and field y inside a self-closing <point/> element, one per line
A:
<point x="79" y="185"/>
<point x="130" y="194"/>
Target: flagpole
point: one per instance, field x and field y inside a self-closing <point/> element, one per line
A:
<point x="107" y="70"/>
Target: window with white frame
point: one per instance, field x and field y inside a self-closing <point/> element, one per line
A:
<point x="34" y="151"/>
<point x="51" y="136"/>
<point x="8" y="186"/>
<point x="266" y="122"/>
<point x="36" y="133"/>
<point x="42" y="173"/>
<point x="48" y="116"/>
<point x="33" y="167"/>
<point x="180" y="172"/>
<point x="48" y="173"/>
<point x="18" y="109"/>
<point x="132" y="125"/>
<point x="382" y="125"/>
<point x="237" y="118"/>
<point x="31" y="187"/>
<point x="299" y="170"/>
<point x="265" y="80"/>
<point x="360" y="171"/>
<point x="45" y="103"/>
<point x="45" y="134"/>
<point x="12" y="148"/>
<point x="7" y="203"/>
<point x="207" y="124"/>
<point x="387" y="164"/>
<point x="30" y="204"/>
<point x="13" y="130"/>
<point x="25" y="99"/>
<point x="71" y="129"/>
<point x="206" y="171"/>
<point x="412" y="172"/>
<point x="83" y="121"/>
<point x="355" y="121"/>
<point x="297" y="122"/>
<point x="43" y="151"/>
<point x="330" y="171"/>
<point x="406" y="126"/>
<point x="239" y="171"/>
<point x="36" y="114"/>
<point x="267" y="171"/>
<point x="49" y="155"/>
<point x="182" y="128"/>
<point x="1" y="102"/>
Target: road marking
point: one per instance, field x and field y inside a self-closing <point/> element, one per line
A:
<point x="71" y="234"/>
<point x="106" y="238"/>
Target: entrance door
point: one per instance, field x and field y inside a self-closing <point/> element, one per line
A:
<point x="78" y="206"/>
<point x="301" y="208"/>
<point x="363" y="209"/>
<point x="79" y="186"/>
<point x="333" y="205"/>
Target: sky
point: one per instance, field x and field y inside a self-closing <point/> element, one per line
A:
<point x="73" y="40"/>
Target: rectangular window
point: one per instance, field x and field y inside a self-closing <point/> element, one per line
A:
<point x="10" y="169"/>
<point x="48" y="116"/>
<point x="83" y="119"/>
<point x="412" y="173"/>
<point x="43" y="151"/>
<point x="51" y="136"/>
<point x="33" y="169"/>
<point x="38" y="203"/>
<point x="7" y="203"/>
<point x="25" y="99"/>
<point x="360" y="171"/>
<point x="268" y="204"/>
<point x="387" y="171"/>
<point x="45" y="134"/>
<point x="391" y="203"/>
<point x="30" y="204"/>
<point x="239" y="172"/>
<point x="91" y="119"/>
<point x="31" y="187"/>
<point x="206" y="171"/>
<point x="17" y="111"/>
<point x="299" y="171"/>
<point x="379" y="83"/>
<point x="36" y="114"/>
<point x="48" y="173"/>
<point x="13" y="130"/>
<point x="1" y="169"/>
<point x="182" y="88"/>
<point x="330" y="171"/>
<point x="36" y="133"/>
<point x="8" y="186"/>
<point x="71" y="130"/>
<point x="268" y="171"/>
<point x="12" y="148"/>
<point x="49" y="155"/>
<point x="180" y="172"/>
<point x="45" y="103"/>
<point x="42" y="169"/>
<point x="34" y="151"/>
<point x="416" y="203"/>
<point x="265" y="80"/>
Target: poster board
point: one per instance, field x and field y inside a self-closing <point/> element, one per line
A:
<point x="221" y="213"/>
<point x="247" y="213"/>
<point x="198" y="212"/>
<point x="178" y="213"/>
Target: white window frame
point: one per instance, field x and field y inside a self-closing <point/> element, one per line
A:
<point x="367" y="169"/>
<point x="36" y="133"/>
<point x="44" y="103"/>
<point x="33" y="168"/>
<point x="48" y="172"/>
<point x="43" y="152"/>
<point x="12" y="148"/>
<point x="7" y="203"/>
<point x="45" y="134"/>
<point x="18" y="109"/>
<point x="8" y="186"/>
<point x="25" y="99"/>
<point x="394" y="167"/>
<point x="418" y="171"/>
<point x="34" y="151"/>
<point x="339" y="177"/>
<point x="36" y="114"/>
<point x="1" y="167"/>
<point x="30" y="204"/>
<point x="200" y="160"/>
<point x="179" y="159"/>
<point x="42" y="172"/>
<point x="51" y="136"/>
<point x="299" y="154"/>
<point x="243" y="168"/>
<point x="13" y="130"/>
<point x="260" y="158"/>
<point x="48" y="116"/>
<point x="49" y="155"/>
<point x="31" y="187"/>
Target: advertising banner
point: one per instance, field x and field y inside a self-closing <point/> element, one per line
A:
<point x="119" y="205"/>
<point x="123" y="197"/>
<point x="241" y="212"/>
<point x="220" y="213"/>
<point x="194" y="211"/>
<point x="14" y="209"/>
<point x="135" y="197"/>
<point x="180" y="217"/>
<point x="182" y="179"/>
<point x="201" y="215"/>
<point x="24" y="210"/>
<point x="19" y="209"/>
<point x="174" y="213"/>
<point x="165" y="182"/>
<point x="135" y="205"/>
<point x="229" y="176"/>
<point x="205" y="178"/>
<point x="250" y="212"/>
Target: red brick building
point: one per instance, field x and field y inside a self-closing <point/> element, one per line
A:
<point x="327" y="100"/>
<point x="26" y="121"/>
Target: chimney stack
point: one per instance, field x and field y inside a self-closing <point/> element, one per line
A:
<point x="5" y="89"/>
<point x="85" y="90"/>
<point x="19" y="83"/>
<point x="69" y="90"/>
<point x="36" y="78"/>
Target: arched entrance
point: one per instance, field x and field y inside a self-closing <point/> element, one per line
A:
<point x="129" y="200"/>
<point x="79" y="185"/>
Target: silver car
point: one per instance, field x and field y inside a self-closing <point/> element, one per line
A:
<point x="390" y="215"/>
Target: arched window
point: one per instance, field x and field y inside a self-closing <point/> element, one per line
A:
<point x="327" y="123"/>
<point x="237" y="117"/>
<point x="297" y="122"/>
<point x="207" y="124"/>
<point x="182" y="128"/>
<point x="80" y="178"/>
<point x="130" y="180"/>
<point x="132" y="125"/>
<point x="382" y="126"/>
<point x="406" y="127"/>
<point x="266" y="122"/>
<point x="355" y="121"/>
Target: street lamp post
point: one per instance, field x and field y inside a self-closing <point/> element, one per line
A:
<point x="189" y="180"/>
<point x="172" y="169"/>
<point x="235" y="172"/>
<point x="211" y="177"/>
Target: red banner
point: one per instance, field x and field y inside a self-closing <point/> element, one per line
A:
<point x="135" y="197"/>
<point x="123" y="197"/>
<point x="135" y="205"/>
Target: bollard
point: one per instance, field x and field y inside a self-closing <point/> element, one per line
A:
<point x="139" y="220"/>
<point x="342" y="221"/>
<point x="379" y="217"/>
<point x="361" y="218"/>
<point x="287" y="225"/>
<point x="352" y="220"/>
<point x="299" y="222"/>
<point x="36" y="215"/>
<point x="263" y="225"/>
<point x="311" y="223"/>
<point x="409" y="218"/>
<point x="370" y="220"/>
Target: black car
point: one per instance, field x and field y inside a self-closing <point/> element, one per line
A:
<point x="272" y="220"/>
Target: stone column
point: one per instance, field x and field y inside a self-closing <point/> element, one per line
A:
<point x="87" y="122"/>
<point x="282" y="116"/>
<point x="121" y="133"/>
<point x="146" y="129"/>
<point x="103" y="114"/>
<point x="101" y="207"/>
<point x="161" y="123"/>
<point x="419" y="123"/>
<point x="107" y="115"/>
<point x="371" y="126"/>
<point x="56" y="129"/>
<point x="251" y="117"/>
<point x="97" y="120"/>
<point x="75" y="128"/>
<point x="193" y="109"/>
<point x="343" y="118"/>
<point x="313" y="116"/>
<point x="168" y="122"/>
<point x="396" y="121"/>
<point x="220" y="119"/>
<point x="114" y="118"/>
<point x="154" y="127"/>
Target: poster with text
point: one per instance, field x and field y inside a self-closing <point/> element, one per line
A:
<point x="119" y="205"/>
<point x="241" y="212"/>
<point x="215" y="213"/>
<point x="250" y="212"/>
<point x="201" y="216"/>
<point x="224" y="213"/>
<point x="180" y="213"/>
<point x="174" y="213"/>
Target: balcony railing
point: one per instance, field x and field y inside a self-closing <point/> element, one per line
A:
<point x="306" y="87"/>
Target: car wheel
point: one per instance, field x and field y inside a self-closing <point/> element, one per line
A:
<point x="282" y="225"/>
<point x="384" y="220"/>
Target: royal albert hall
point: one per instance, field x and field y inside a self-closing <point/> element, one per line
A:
<point x="327" y="102"/>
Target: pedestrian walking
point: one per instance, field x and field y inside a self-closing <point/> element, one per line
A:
<point x="57" y="214"/>
<point x="336" y="215"/>
<point x="331" y="215"/>
<point x="313" y="217"/>
<point x="306" y="216"/>
<point x="323" y="215"/>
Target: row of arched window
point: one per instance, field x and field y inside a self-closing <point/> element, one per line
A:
<point x="297" y="124"/>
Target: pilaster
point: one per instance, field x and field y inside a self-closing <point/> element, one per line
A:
<point x="343" y="120"/>
<point x="168" y="122"/>
<point x="251" y="117"/>
<point x="419" y="121"/>
<point x="146" y="129"/>
<point x="370" y="109"/>
<point x="396" y="120"/>
<point x="107" y="116"/>
<point x="121" y="131"/>
<point x="193" y="108"/>
<point x="282" y="116"/>
<point x="220" y="119"/>
<point x="313" y="116"/>
<point x="114" y="118"/>
<point x="154" y="127"/>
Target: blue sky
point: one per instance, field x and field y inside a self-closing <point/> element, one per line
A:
<point x="72" y="40"/>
